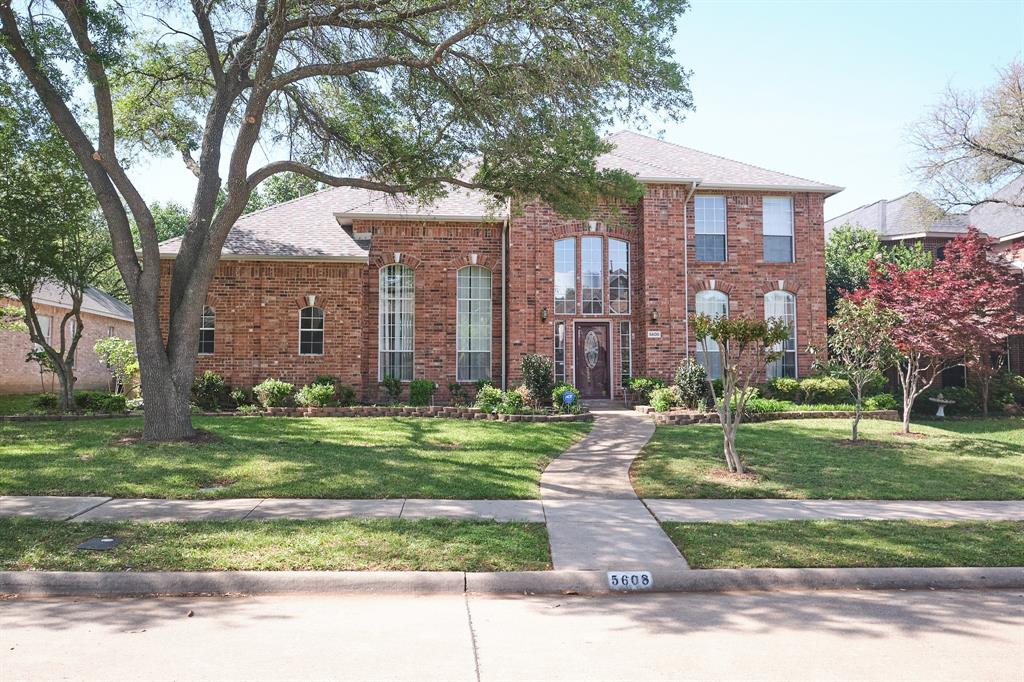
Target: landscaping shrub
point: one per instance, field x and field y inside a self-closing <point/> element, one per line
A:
<point x="642" y="387"/>
<point x="783" y="388"/>
<point x="273" y="392"/>
<point x="488" y="398"/>
<point x="1016" y="385"/>
<point x="558" y="399"/>
<point x="135" y="404"/>
<point x="315" y="395"/>
<point x="692" y="383"/>
<point x="480" y="383"/>
<point x="766" y="405"/>
<point x="100" y="401"/>
<point x="240" y="397"/>
<point x="326" y="380"/>
<point x="824" y="389"/>
<point x="717" y="383"/>
<point x="882" y="401"/>
<point x="458" y="393"/>
<point x="664" y="399"/>
<point x="421" y="391"/>
<point x="46" y="401"/>
<point x="392" y="389"/>
<point x="539" y="378"/>
<point x="248" y="409"/>
<point x="346" y="394"/>
<point x="209" y="391"/>
<point x="512" y="402"/>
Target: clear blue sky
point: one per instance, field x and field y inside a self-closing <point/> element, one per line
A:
<point x="824" y="90"/>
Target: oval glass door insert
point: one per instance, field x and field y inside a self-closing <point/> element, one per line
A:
<point x="591" y="349"/>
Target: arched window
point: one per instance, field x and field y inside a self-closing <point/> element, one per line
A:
<point x="396" y="327"/>
<point x="207" y="330"/>
<point x="311" y="331"/>
<point x="618" y="276"/>
<point x="473" y="324"/>
<point x="713" y="304"/>
<point x="782" y="305"/>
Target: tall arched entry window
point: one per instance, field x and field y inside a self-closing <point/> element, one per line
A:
<point x="473" y="324"/>
<point x="782" y="305"/>
<point x="396" y="322"/>
<point x="713" y="304"/>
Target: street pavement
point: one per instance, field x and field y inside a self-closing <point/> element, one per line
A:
<point x="928" y="635"/>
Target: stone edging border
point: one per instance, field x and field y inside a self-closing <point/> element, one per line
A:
<point x="445" y="412"/>
<point x="688" y="417"/>
<point x="122" y="584"/>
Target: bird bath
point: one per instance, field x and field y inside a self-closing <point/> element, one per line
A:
<point x="941" y="402"/>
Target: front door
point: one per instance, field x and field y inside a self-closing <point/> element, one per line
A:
<point x="593" y="378"/>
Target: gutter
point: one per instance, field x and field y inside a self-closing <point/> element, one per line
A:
<point x="686" y="267"/>
<point x="505" y="227"/>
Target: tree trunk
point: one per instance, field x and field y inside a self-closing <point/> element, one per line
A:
<point x="984" y="396"/>
<point x="66" y="397"/>
<point x="856" y="414"/>
<point x="166" y="384"/>
<point x="167" y="414"/>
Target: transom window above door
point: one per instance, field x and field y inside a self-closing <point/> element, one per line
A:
<point x="603" y="282"/>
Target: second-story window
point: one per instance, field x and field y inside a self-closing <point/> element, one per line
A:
<point x="618" y="276"/>
<point x="565" y="277"/>
<point x="709" y="221"/>
<point x="778" y="229"/>
<point x="592" y="275"/>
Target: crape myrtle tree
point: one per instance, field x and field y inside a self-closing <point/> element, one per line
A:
<point x="417" y="97"/>
<point x="746" y="347"/>
<point x="50" y="233"/>
<point x="860" y="347"/>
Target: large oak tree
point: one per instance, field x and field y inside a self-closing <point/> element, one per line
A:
<point x="376" y="94"/>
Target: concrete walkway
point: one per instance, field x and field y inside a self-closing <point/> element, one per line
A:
<point x="852" y="510"/>
<point x="595" y="520"/>
<point x="237" y="509"/>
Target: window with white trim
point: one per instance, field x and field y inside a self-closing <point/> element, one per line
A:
<point x="618" y="277"/>
<point x="565" y="276"/>
<point x="207" y="330"/>
<point x="625" y="352"/>
<point x="396" y="328"/>
<point x="709" y="221"/>
<point x="782" y="305"/>
<point x="45" y="324"/>
<point x="713" y="304"/>
<point x="311" y="331"/>
<point x="592" y="275"/>
<point x="559" y="352"/>
<point x="473" y="324"/>
<point x="777" y="214"/>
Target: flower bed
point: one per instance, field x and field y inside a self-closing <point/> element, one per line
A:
<point x="684" y="417"/>
<point x="436" y="411"/>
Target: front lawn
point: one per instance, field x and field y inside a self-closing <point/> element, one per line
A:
<point x="813" y="458"/>
<point x="285" y="457"/>
<point x="839" y="544"/>
<point x="19" y="404"/>
<point x="349" y="545"/>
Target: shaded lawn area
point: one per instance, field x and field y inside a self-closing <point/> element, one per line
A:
<point x="813" y="458"/>
<point x="286" y="457"/>
<point x="19" y="404"/>
<point x="348" y="545"/>
<point x="845" y="544"/>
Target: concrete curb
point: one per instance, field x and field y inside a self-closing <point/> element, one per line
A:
<point x="64" y="584"/>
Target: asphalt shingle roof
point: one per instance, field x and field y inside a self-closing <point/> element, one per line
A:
<point x="93" y="301"/>
<point x="910" y="214"/>
<point x="312" y="226"/>
<point x="1004" y="219"/>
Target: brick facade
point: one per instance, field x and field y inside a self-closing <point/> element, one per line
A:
<point x="18" y="376"/>
<point x="257" y="302"/>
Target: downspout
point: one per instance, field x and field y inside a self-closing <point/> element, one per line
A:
<point x="686" y="268"/>
<point x="504" y="298"/>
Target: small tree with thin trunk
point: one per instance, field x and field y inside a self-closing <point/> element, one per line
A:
<point x="860" y="346"/>
<point x="746" y="347"/>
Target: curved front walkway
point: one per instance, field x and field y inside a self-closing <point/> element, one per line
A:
<point x="595" y="520"/>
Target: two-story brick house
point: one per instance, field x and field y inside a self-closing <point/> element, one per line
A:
<point x="361" y="285"/>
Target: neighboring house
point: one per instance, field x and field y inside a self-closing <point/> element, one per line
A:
<point x="362" y="285"/>
<point x="912" y="218"/>
<point x="102" y="315"/>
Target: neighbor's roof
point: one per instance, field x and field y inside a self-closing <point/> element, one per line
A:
<point x="1002" y="220"/>
<point x="911" y="215"/>
<point x="314" y="226"/>
<point x="93" y="301"/>
<point x="653" y="160"/>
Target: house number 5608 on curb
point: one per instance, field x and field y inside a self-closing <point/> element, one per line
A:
<point x="630" y="580"/>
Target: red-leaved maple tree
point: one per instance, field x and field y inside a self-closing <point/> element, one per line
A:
<point x="959" y="311"/>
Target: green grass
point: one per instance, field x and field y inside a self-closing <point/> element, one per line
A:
<point x="812" y="458"/>
<point x="840" y="544"/>
<point x="349" y="545"/>
<point x="19" y="404"/>
<point x="286" y="457"/>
